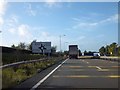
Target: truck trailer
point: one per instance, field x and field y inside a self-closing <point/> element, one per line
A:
<point x="73" y="51"/>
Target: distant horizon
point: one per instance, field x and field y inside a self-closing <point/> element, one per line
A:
<point x="90" y="25"/>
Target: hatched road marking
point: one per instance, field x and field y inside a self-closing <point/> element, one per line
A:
<point x="73" y="70"/>
<point x="72" y="66"/>
<point x="85" y="76"/>
<point x="98" y="68"/>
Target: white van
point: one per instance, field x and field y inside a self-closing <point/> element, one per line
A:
<point x="96" y="55"/>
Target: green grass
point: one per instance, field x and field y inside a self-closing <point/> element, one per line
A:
<point x="15" y="75"/>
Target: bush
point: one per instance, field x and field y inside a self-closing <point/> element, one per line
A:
<point x="20" y="75"/>
<point x="8" y="78"/>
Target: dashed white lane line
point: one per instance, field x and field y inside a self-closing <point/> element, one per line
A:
<point x="41" y="81"/>
<point x="98" y="68"/>
<point x="87" y="62"/>
<point x="83" y="60"/>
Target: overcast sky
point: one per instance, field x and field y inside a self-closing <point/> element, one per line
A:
<point x="89" y="25"/>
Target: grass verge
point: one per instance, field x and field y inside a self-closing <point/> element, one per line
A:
<point x="15" y="75"/>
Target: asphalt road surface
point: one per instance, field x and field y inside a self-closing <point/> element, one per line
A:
<point x="80" y="74"/>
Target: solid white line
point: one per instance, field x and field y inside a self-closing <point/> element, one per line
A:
<point x="98" y="68"/>
<point x="41" y="81"/>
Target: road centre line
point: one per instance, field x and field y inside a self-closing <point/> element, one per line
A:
<point x="41" y="81"/>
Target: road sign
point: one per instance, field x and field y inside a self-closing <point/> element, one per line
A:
<point x="41" y="47"/>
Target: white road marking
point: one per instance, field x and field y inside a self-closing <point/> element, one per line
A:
<point x="86" y="76"/>
<point x="98" y="68"/>
<point x="87" y="62"/>
<point x="41" y="81"/>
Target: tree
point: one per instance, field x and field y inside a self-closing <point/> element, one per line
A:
<point x="80" y="53"/>
<point x="85" y="52"/>
<point x="102" y="50"/>
<point x="21" y="45"/>
<point x="53" y="49"/>
<point x="118" y="51"/>
<point x="110" y="50"/>
<point x="107" y="50"/>
<point x="13" y="46"/>
<point x="113" y="48"/>
<point x="29" y="46"/>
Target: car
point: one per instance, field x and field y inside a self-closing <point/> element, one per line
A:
<point x="96" y="55"/>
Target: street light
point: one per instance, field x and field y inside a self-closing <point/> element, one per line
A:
<point x="61" y="41"/>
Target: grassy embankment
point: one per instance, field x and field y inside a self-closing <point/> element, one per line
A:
<point x="15" y="75"/>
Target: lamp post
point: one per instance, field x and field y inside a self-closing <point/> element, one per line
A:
<point x="61" y="41"/>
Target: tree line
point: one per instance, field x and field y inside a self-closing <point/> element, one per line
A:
<point x="23" y="45"/>
<point x="110" y="50"/>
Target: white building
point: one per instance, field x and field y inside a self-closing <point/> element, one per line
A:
<point x="41" y="47"/>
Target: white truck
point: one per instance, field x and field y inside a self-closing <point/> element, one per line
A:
<point x="73" y="51"/>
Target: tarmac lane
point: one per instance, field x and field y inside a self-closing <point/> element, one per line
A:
<point x="84" y="74"/>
